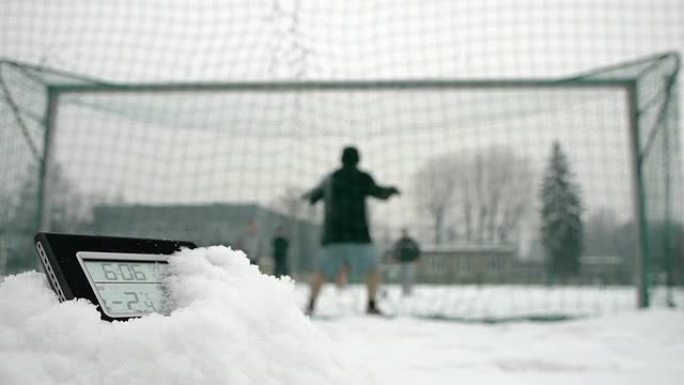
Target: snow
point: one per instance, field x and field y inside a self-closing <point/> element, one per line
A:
<point x="432" y="340"/>
<point x="491" y="303"/>
<point x="229" y="325"/>
<point x="232" y="325"/>
<point x="632" y="348"/>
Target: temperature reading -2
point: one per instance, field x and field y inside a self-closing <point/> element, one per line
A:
<point x="134" y="299"/>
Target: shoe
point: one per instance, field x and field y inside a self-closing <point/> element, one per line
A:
<point x="309" y="309"/>
<point x="372" y="310"/>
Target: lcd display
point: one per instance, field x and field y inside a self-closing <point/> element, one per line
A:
<point x="126" y="284"/>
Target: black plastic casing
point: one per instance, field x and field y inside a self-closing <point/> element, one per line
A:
<point x="57" y="255"/>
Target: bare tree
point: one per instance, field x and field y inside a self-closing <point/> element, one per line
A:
<point x="435" y="184"/>
<point x="484" y="194"/>
<point x="494" y="194"/>
<point x="69" y="211"/>
<point x="69" y="208"/>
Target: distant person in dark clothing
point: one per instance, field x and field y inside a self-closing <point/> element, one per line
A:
<point x="280" y="247"/>
<point x="346" y="239"/>
<point x="407" y="253"/>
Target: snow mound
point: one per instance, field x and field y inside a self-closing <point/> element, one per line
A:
<point x="229" y="325"/>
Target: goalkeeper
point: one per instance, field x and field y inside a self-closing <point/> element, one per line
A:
<point x="346" y="238"/>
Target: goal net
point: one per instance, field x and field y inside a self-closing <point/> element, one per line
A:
<point x="236" y="112"/>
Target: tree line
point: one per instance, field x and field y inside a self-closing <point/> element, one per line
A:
<point x="484" y="197"/>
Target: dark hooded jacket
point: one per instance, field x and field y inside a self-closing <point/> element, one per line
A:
<point x="344" y="192"/>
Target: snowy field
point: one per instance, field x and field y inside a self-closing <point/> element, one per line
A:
<point x="434" y="340"/>
<point x="631" y="348"/>
<point x="488" y="304"/>
<point x="232" y="325"/>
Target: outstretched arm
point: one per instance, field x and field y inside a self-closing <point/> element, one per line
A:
<point x="380" y="192"/>
<point x="315" y="194"/>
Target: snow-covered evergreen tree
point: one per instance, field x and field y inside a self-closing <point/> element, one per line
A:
<point x="561" y="224"/>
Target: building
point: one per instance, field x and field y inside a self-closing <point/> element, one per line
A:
<point x="206" y="225"/>
<point x="499" y="264"/>
<point x="466" y="263"/>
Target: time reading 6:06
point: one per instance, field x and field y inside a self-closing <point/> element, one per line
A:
<point x="118" y="271"/>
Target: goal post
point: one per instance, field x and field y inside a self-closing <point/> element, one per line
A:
<point x="629" y="86"/>
<point x="200" y="159"/>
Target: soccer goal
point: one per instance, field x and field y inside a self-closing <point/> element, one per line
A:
<point x="198" y="161"/>
<point x="537" y="147"/>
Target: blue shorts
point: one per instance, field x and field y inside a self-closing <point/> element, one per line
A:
<point x="360" y="258"/>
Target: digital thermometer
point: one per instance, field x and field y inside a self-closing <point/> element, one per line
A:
<point x="126" y="285"/>
<point x="122" y="276"/>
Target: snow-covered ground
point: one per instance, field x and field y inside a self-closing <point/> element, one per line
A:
<point x="496" y="303"/>
<point x="631" y="348"/>
<point x="232" y="325"/>
<point x="435" y="340"/>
